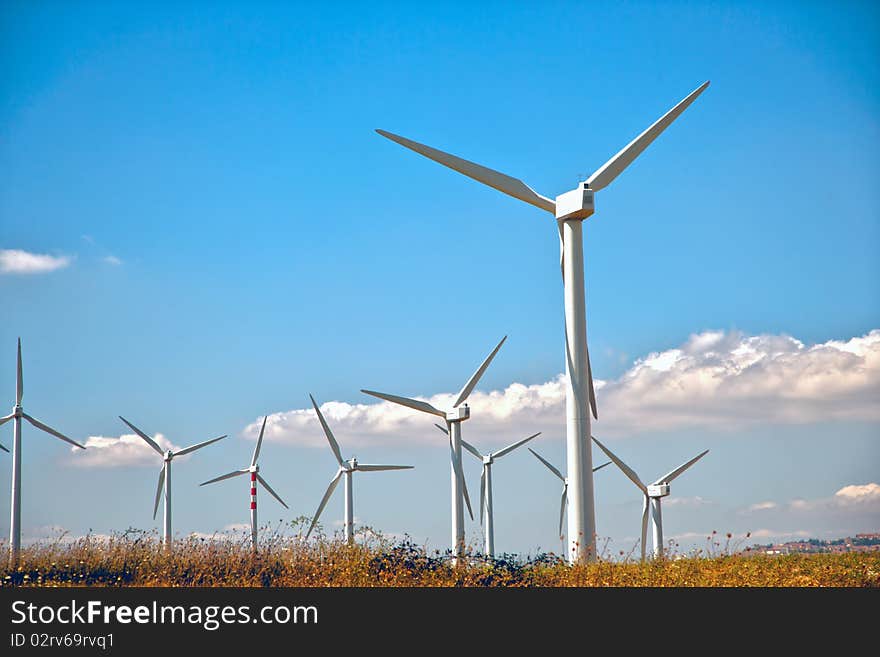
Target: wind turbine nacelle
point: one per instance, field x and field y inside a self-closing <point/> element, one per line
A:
<point x="658" y="490"/>
<point x="576" y="204"/>
<point x="458" y="414"/>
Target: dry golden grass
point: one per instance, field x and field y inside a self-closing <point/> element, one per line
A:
<point x="136" y="559"/>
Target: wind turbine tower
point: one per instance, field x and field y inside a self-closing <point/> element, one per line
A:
<point x="454" y="417"/>
<point x="347" y="470"/>
<point x="570" y="210"/>
<point x="16" y="417"/>
<point x="165" y="476"/>
<point x="653" y="495"/>
<point x="254" y="470"/>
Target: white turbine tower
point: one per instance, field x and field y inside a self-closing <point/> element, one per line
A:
<point x="487" y="516"/>
<point x="346" y="469"/>
<point x="165" y="476"/>
<point x="15" y="416"/>
<point x="254" y="470"/>
<point x="653" y="494"/>
<point x="570" y="210"/>
<point x="454" y="417"/>
<point x="564" y="480"/>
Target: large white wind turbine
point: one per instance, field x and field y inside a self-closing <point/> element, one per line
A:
<point x="564" y="499"/>
<point x="165" y="475"/>
<point x="15" y="416"/>
<point x="346" y="469"/>
<point x="454" y="417"/>
<point x="487" y="516"/>
<point x="653" y="494"/>
<point x="254" y="470"/>
<point x="570" y="209"/>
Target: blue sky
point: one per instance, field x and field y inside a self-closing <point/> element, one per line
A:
<point x="227" y="234"/>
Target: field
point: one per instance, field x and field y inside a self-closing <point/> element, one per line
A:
<point x="137" y="559"/>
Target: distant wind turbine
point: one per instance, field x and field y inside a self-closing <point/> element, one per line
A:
<point x="653" y="494"/>
<point x="15" y="416"/>
<point x="165" y="475"/>
<point x="564" y="499"/>
<point x="254" y="470"/>
<point x="346" y="469"/>
<point x="454" y="417"/>
<point x="486" y="500"/>
<point x="570" y="210"/>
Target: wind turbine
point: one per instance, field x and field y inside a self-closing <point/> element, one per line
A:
<point x="347" y="469"/>
<point x="15" y="416"/>
<point x="454" y="417"/>
<point x="165" y="475"/>
<point x="254" y="470"/>
<point x="570" y="210"/>
<point x="486" y="505"/>
<point x="564" y="480"/>
<point x="653" y="494"/>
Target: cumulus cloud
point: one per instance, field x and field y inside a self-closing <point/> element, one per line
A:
<point x="16" y="261"/>
<point x="854" y="498"/>
<point x="112" y="260"/>
<point x="125" y="450"/>
<point x="716" y="379"/>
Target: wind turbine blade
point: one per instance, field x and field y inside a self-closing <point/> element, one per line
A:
<point x="271" y="492"/>
<point x="234" y="473"/>
<point x="19" y="382"/>
<point x="610" y="170"/>
<point x="547" y="463"/>
<point x="645" y="508"/>
<point x="192" y="448"/>
<point x="369" y="467"/>
<point x="592" y="390"/>
<point x="330" y="439"/>
<point x="50" y="430"/>
<point x="473" y="450"/>
<point x="669" y="476"/>
<point x="469" y="386"/>
<point x="330" y="489"/>
<point x="628" y="471"/>
<point x="4" y="449"/>
<point x="424" y="407"/>
<point x="159" y="491"/>
<point x="4" y="420"/>
<point x="562" y="507"/>
<point x="510" y="448"/>
<point x="443" y="429"/>
<point x="152" y="443"/>
<point x="599" y="467"/>
<point x="494" y="179"/>
<point x="259" y="443"/>
<point x="482" y="493"/>
<point x="456" y="465"/>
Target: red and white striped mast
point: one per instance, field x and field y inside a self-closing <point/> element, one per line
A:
<point x="254" y="471"/>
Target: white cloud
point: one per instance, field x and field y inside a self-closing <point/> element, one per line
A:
<point x="857" y="494"/>
<point x="16" y="261"/>
<point x="112" y="260"/>
<point x="126" y="450"/>
<point x="695" y="501"/>
<point x="714" y="380"/>
<point x="761" y="506"/>
<point x="853" y="498"/>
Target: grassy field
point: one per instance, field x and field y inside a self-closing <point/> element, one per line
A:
<point x="138" y="560"/>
